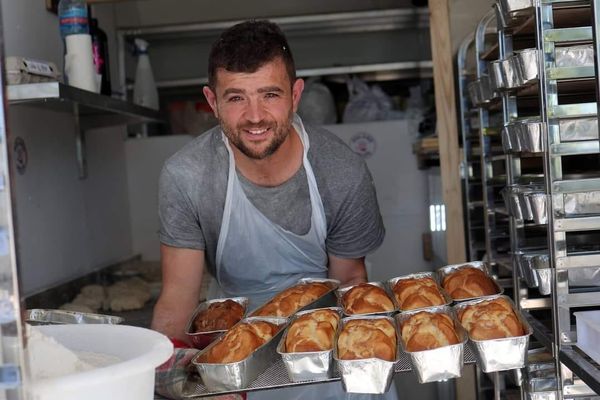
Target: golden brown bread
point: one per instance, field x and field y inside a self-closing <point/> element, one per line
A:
<point x="415" y="293"/>
<point x="367" y="338"/>
<point x="292" y="299"/>
<point x="468" y="282"/>
<point x="491" y="319"/>
<point x="218" y="316"/>
<point x="312" y="332"/>
<point x="426" y="330"/>
<point x="240" y="341"/>
<point x="365" y="298"/>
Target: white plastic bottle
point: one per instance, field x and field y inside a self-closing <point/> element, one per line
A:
<point x="144" y="89"/>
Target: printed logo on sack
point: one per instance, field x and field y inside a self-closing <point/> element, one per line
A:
<point x="363" y="144"/>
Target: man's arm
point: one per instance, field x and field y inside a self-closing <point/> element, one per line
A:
<point x="182" y="277"/>
<point x="349" y="271"/>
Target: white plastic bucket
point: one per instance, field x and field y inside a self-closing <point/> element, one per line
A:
<point x="141" y="351"/>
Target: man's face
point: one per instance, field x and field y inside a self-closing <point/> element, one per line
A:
<point x="255" y="109"/>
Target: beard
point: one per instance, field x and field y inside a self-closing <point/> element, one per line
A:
<point x="280" y="132"/>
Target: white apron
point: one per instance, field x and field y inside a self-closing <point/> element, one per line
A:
<point x="257" y="258"/>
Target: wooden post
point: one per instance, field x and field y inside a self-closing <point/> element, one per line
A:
<point x="447" y="128"/>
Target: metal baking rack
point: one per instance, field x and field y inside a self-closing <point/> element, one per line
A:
<point x="471" y="163"/>
<point x="549" y="106"/>
<point x="276" y="377"/>
<point x="492" y="166"/>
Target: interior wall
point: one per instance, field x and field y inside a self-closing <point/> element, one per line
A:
<point x="66" y="227"/>
<point x="464" y="17"/>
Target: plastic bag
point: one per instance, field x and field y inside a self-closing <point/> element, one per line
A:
<point x="366" y="103"/>
<point x="316" y="105"/>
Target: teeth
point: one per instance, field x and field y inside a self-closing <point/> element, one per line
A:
<point x="257" y="131"/>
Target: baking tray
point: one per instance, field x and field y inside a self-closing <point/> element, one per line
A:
<point x="371" y="375"/>
<point x="238" y="375"/>
<point x="308" y="366"/>
<point x="341" y="291"/>
<point x="328" y="299"/>
<point x="202" y="339"/>
<point x="393" y="281"/>
<point x="40" y="316"/>
<point x="436" y="364"/>
<point x="500" y="354"/>
<point x="444" y="271"/>
<point x="276" y="377"/>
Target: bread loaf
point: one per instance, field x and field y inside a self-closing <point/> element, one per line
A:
<point x="365" y="298"/>
<point x="427" y="330"/>
<point x="240" y="341"/>
<point x="413" y="293"/>
<point x="491" y="319"/>
<point x="468" y="282"/>
<point x="367" y="338"/>
<point x="218" y="316"/>
<point x="313" y="331"/>
<point x="292" y="299"/>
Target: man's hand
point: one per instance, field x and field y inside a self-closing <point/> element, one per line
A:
<point x="182" y="277"/>
<point x="349" y="271"/>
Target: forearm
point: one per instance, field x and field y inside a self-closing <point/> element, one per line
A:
<point x="347" y="271"/>
<point x="182" y="277"/>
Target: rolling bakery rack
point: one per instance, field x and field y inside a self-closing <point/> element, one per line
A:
<point x="535" y="91"/>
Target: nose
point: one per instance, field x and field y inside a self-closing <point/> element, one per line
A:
<point x="254" y="111"/>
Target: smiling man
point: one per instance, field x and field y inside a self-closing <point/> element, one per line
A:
<point x="262" y="200"/>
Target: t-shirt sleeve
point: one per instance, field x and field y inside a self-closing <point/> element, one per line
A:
<point x="357" y="228"/>
<point x="179" y="223"/>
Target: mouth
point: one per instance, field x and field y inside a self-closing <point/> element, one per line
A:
<point x="256" y="134"/>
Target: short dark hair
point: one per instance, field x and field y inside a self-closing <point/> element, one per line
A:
<point x="247" y="46"/>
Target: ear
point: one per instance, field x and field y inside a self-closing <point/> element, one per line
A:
<point x="211" y="97"/>
<point x="297" y="89"/>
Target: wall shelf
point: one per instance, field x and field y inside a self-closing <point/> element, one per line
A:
<point x="90" y="110"/>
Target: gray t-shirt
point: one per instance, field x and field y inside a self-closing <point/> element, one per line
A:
<point x="193" y="185"/>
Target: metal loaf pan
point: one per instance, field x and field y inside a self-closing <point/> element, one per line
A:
<point x="526" y="64"/>
<point x="441" y="363"/>
<point x="496" y="76"/>
<point x="308" y="366"/>
<point x="481" y="90"/>
<point x="448" y="269"/>
<point x="419" y="275"/>
<point x="511" y="9"/>
<point x="510" y="69"/>
<point x="370" y="375"/>
<point x="202" y="339"/>
<point x="530" y="135"/>
<point x="574" y="56"/>
<point x="582" y="203"/>
<point x="529" y="273"/>
<point x="500" y="354"/>
<point x="574" y="129"/>
<point x="510" y="194"/>
<point x="238" y="375"/>
<point x="40" y="316"/>
<point x="341" y="291"/>
<point x="328" y="299"/>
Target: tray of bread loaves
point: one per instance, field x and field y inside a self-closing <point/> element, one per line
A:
<point x="308" y="293"/>
<point x="235" y="359"/>
<point x="499" y="333"/>
<point x="372" y="298"/>
<point x="468" y="281"/>
<point x="214" y="317"/>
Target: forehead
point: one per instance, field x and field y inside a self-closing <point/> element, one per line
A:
<point x="270" y="73"/>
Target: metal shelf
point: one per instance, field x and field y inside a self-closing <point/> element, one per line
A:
<point x="90" y="110"/>
<point x="581" y="366"/>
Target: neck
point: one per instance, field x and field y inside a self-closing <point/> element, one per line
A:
<point x="276" y="168"/>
